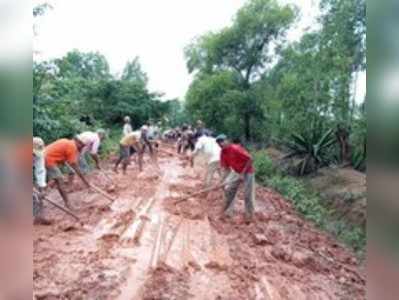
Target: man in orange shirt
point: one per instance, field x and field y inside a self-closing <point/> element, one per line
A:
<point x="58" y="153"/>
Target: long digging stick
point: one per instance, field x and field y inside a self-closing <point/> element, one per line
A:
<point x="101" y="192"/>
<point x="215" y="187"/>
<point x="167" y="152"/>
<point x="61" y="208"/>
<point x="210" y="189"/>
<point x="97" y="189"/>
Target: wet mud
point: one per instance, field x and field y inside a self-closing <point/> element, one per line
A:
<point x="144" y="246"/>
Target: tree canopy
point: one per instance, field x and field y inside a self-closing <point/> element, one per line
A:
<point x="244" y="49"/>
<point x="250" y="80"/>
<point x="77" y="91"/>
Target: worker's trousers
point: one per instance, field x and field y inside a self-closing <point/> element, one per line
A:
<point x="212" y="168"/>
<point x="83" y="164"/>
<point x="37" y="205"/>
<point x="232" y="188"/>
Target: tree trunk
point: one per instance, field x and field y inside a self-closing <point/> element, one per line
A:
<point x="342" y="135"/>
<point x="247" y="127"/>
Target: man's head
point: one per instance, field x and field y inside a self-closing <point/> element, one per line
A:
<point x="144" y="128"/>
<point x="221" y="139"/>
<point x="38" y="146"/>
<point x="126" y="119"/>
<point x="101" y="133"/>
<point x="236" y="140"/>
<point x="79" y="144"/>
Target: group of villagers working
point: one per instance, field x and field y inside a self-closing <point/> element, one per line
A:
<point x="62" y="154"/>
<point x="229" y="159"/>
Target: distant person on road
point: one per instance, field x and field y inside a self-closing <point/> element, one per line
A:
<point x="145" y="138"/>
<point x="208" y="146"/>
<point x="153" y="131"/>
<point x="129" y="141"/>
<point x="147" y="141"/>
<point x="200" y="130"/>
<point x="61" y="152"/>
<point x="92" y="142"/>
<point x="237" y="167"/>
<point x="127" y="127"/>
<point x="186" y="140"/>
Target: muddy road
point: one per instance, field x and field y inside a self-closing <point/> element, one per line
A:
<point x="143" y="246"/>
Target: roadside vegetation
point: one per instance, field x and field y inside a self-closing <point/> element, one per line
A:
<point x="309" y="203"/>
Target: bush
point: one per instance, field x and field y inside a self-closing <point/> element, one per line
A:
<point x="51" y="127"/>
<point x="264" y="166"/>
<point x="111" y="143"/>
<point x="352" y="235"/>
<point x="306" y="202"/>
<point x="312" y="148"/>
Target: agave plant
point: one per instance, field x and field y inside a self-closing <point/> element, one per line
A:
<point x="359" y="160"/>
<point x="312" y="149"/>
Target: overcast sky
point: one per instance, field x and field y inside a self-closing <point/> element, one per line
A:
<point x="155" y="30"/>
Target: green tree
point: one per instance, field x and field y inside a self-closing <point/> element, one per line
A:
<point x="92" y="66"/>
<point x="245" y="48"/>
<point x="134" y="72"/>
<point x="77" y="91"/>
<point x="343" y="45"/>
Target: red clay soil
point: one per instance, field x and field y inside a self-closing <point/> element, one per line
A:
<point x="143" y="246"/>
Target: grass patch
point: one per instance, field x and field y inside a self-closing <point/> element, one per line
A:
<point x="111" y="143"/>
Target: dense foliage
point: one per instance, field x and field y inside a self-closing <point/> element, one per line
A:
<point x="78" y="91"/>
<point x="228" y="64"/>
<point x="250" y="81"/>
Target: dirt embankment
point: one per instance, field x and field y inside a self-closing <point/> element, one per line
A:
<point x="343" y="189"/>
<point x="143" y="246"/>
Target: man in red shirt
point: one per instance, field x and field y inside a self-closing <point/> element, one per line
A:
<point x="58" y="153"/>
<point x="236" y="163"/>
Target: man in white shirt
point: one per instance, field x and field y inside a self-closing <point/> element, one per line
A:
<point x="40" y="183"/>
<point x="38" y="163"/>
<point x="153" y="132"/>
<point x="207" y="145"/>
<point x="127" y="128"/>
<point x="92" y="142"/>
